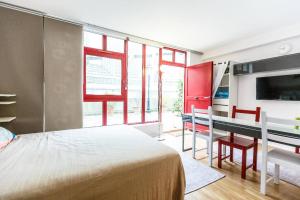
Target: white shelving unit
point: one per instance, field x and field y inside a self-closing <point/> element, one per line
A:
<point x="5" y="101"/>
<point x="224" y="79"/>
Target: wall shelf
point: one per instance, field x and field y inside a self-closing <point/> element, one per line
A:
<point x="7" y="102"/>
<point x="7" y="99"/>
<point x="6" y="119"/>
<point x="8" y="95"/>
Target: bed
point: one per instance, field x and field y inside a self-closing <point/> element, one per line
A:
<point x="109" y="163"/>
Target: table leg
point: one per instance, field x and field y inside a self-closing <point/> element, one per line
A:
<point x="183" y="139"/>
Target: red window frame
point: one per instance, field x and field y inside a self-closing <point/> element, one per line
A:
<point x="123" y="97"/>
<point x="173" y="62"/>
<point x="106" y="54"/>
<point x="108" y="98"/>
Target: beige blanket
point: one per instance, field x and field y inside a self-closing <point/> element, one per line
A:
<point x="107" y="163"/>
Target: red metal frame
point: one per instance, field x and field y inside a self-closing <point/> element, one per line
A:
<point x="173" y="63"/>
<point x="124" y="83"/>
<point x="106" y="54"/>
<point x="108" y="98"/>
<point x="242" y="144"/>
<point x="104" y="42"/>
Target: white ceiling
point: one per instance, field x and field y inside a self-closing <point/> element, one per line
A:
<point x="194" y="24"/>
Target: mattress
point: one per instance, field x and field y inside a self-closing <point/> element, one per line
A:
<point x="109" y="163"/>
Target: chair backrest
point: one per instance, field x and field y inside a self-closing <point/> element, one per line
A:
<point x="255" y="112"/>
<point x="199" y="121"/>
<point x="267" y="135"/>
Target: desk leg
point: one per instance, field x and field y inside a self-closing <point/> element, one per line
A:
<point x="183" y="138"/>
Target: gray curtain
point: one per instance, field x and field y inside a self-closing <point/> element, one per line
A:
<point x="21" y="68"/>
<point x="63" y="75"/>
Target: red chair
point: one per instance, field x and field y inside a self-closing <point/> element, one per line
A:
<point x="297" y="150"/>
<point x="244" y="144"/>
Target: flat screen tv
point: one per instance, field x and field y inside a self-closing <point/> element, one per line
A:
<point x="285" y="87"/>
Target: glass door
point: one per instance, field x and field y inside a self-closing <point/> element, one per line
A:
<point x="104" y="83"/>
<point x="172" y="97"/>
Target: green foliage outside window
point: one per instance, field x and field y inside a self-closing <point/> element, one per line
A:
<point x="178" y="104"/>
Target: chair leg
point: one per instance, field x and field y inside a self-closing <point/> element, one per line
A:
<point x="276" y="173"/>
<point x="210" y="153"/>
<point x="207" y="147"/>
<point x="244" y="163"/>
<point x="194" y="145"/>
<point x="254" y="167"/>
<point x="263" y="178"/>
<point x="263" y="172"/>
<point x="231" y="154"/>
<point x="297" y="150"/>
<point x="220" y="154"/>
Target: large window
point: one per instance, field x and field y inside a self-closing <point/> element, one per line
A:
<point x="152" y="77"/>
<point x="121" y="82"/>
<point x="135" y="75"/>
<point x="104" y="81"/>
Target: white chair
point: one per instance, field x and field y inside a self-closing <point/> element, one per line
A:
<point x="277" y="156"/>
<point x="207" y="135"/>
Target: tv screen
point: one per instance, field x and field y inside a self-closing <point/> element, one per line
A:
<point x="278" y="88"/>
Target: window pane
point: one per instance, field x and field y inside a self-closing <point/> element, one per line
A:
<point x="114" y="44"/>
<point x="103" y="75"/>
<point x="115" y="113"/>
<point x="167" y="55"/>
<point x="92" y="40"/>
<point x="134" y="82"/>
<point x="179" y="57"/>
<point x="92" y="114"/>
<point x="152" y="74"/>
<point x="172" y="97"/>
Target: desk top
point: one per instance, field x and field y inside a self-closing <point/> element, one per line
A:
<point x="248" y="124"/>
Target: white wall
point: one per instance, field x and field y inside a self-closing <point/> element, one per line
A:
<point x="247" y="83"/>
<point x="193" y="59"/>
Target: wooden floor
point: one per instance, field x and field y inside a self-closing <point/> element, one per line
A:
<point x="232" y="187"/>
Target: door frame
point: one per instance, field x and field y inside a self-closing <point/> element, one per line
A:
<point x="173" y="64"/>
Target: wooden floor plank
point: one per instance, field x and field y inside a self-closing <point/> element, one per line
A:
<point x="232" y="187"/>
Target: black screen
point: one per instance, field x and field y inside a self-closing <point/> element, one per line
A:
<point x="278" y="88"/>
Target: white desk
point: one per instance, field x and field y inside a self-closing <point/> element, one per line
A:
<point x="239" y="126"/>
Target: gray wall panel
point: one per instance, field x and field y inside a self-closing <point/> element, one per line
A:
<point x="63" y="75"/>
<point x="21" y="68"/>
